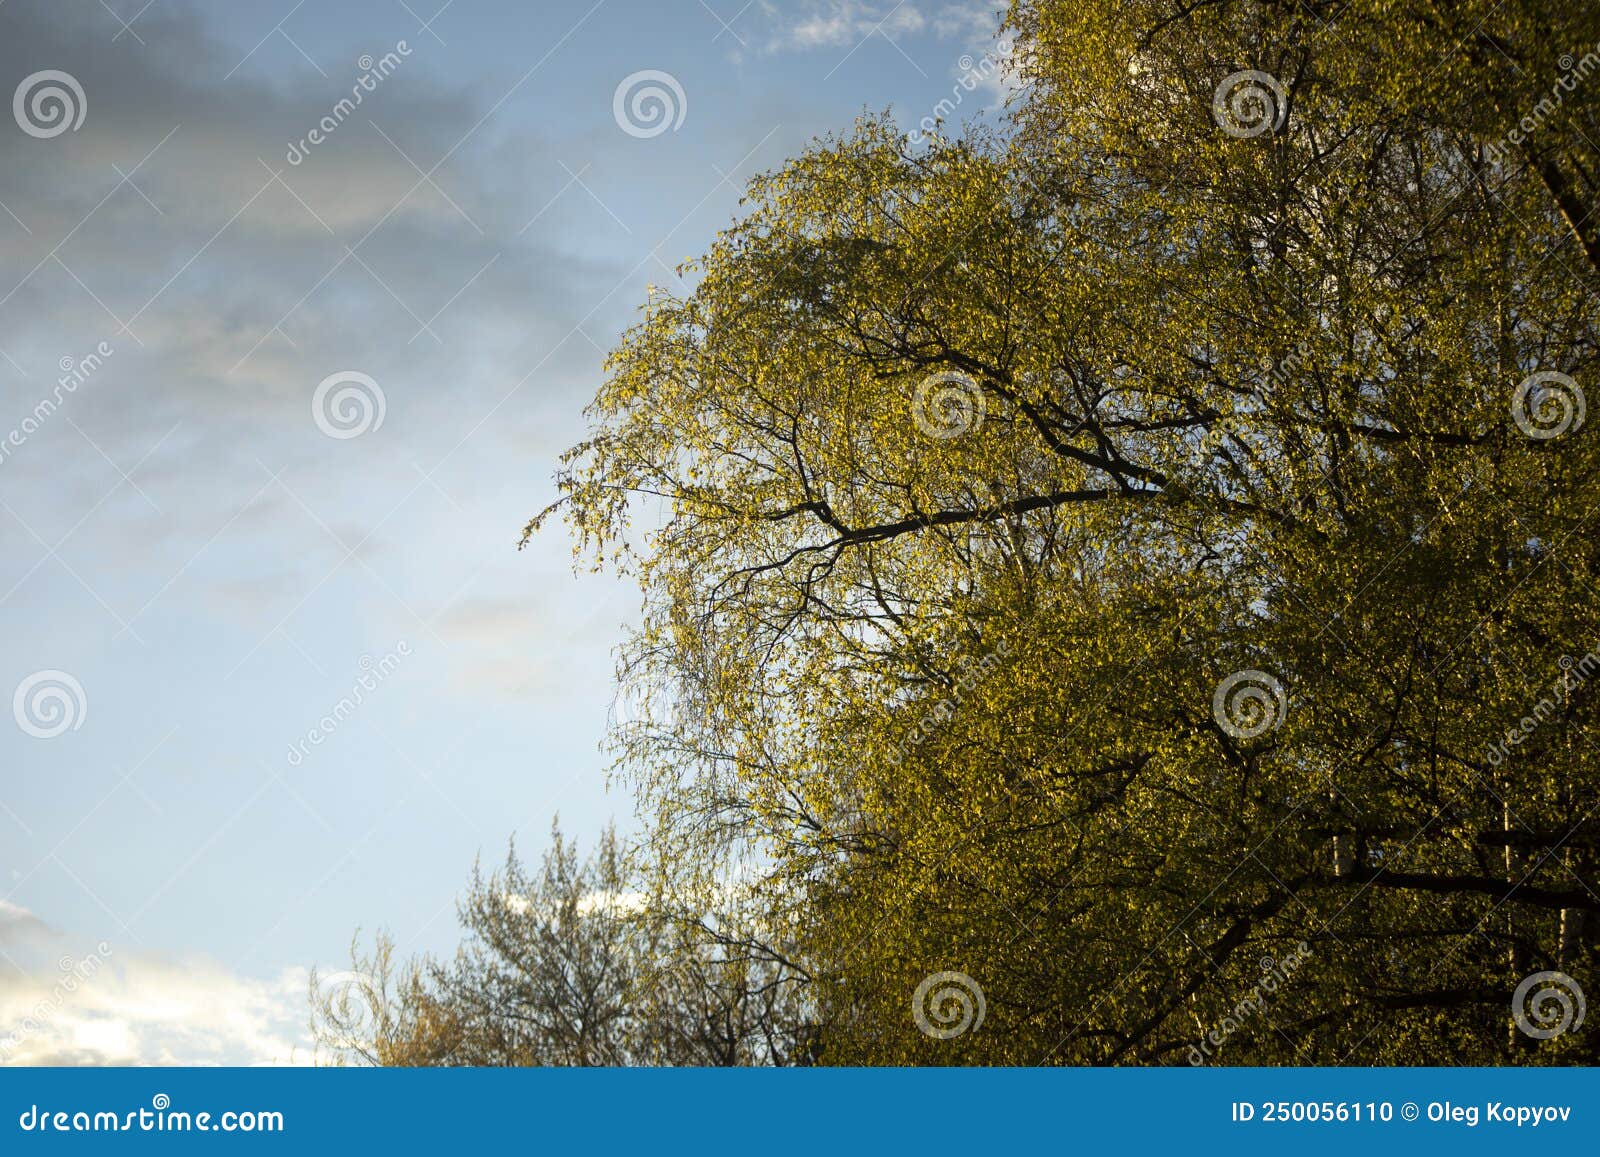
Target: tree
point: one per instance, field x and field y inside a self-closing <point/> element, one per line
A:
<point x="570" y="965"/>
<point x="1106" y="555"/>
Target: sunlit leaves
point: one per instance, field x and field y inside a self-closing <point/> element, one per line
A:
<point x="1245" y="407"/>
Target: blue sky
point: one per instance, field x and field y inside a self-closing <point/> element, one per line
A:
<point x="204" y="573"/>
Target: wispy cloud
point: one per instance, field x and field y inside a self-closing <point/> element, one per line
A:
<point x="819" y="24"/>
<point x="842" y="23"/>
<point x="64" y="1002"/>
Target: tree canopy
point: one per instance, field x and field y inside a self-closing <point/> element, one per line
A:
<point x="1099" y="564"/>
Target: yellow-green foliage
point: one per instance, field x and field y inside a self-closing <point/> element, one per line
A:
<point x="1247" y="404"/>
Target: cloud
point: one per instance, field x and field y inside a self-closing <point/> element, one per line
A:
<point x="845" y="23"/>
<point x="243" y="290"/>
<point x="532" y="645"/>
<point x="63" y="1002"/>
<point x="493" y="621"/>
<point x="185" y="491"/>
<point x="981" y="62"/>
<point x="973" y="22"/>
<point x="242" y="277"/>
<point x="18" y="926"/>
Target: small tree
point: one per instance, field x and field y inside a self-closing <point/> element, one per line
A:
<point x="572" y="964"/>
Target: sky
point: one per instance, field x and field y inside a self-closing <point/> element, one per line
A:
<point x="281" y="380"/>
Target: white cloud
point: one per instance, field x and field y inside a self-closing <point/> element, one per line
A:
<point x="982" y="63"/>
<point x="842" y="23"/>
<point x="626" y="903"/>
<point x="613" y="903"/>
<point x="69" y="1003"/>
<point x="974" y="22"/>
<point x="845" y="23"/>
<point x="14" y="919"/>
